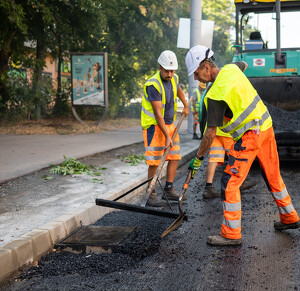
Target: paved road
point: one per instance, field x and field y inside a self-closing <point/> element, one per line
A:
<point x="267" y="259"/>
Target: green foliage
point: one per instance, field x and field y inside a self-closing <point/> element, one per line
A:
<point x="69" y="167"/>
<point x="73" y="167"/>
<point x="46" y="177"/>
<point x="222" y="13"/>
<point x="20" y="103"/>
<point x="132" y="32"/>
<point x="133" y="159"/>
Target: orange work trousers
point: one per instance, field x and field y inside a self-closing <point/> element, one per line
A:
<point x="196" y="118"/>
<point x="241" y="156"/>
<point x="220" y="146"/>
<point x="155" y="141"/>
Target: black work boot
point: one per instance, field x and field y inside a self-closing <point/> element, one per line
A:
<point x="217" y="240"/>
<point x="210" y="192"/>
<point x="282" y="226"/>
<point x="154" y="201"/>
<point x="247" y="185"/>
<point x="170" y="194"/>
<point x="195" y="136"/>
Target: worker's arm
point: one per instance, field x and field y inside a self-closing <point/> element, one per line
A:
<point x="205" y="144"/>
<point x="206" y="141"/>
<point x="157" y="106"/>
<point x="215" y="115"/>
<point x="180" y="95"/>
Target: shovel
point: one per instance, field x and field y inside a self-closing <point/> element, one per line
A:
<point x="162" y="162"/>
<point x="180" y="200"/>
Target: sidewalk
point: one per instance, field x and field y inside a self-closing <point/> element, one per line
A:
<point x="23" y="154"/>
<point x="43" y="221"/>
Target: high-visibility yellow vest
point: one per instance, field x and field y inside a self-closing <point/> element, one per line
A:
<point x="197" y="91"/>
<point x="233" y="87"/>
<point x="147" y="114"/>
<point x="219" y="132"/>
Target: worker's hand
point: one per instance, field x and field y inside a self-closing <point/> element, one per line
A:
<point x="185" y="111"/>
<point x="168" y="142"/>
<point x="194" y="165"/>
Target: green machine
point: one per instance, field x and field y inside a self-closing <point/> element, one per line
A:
<point x="274" y="72"/>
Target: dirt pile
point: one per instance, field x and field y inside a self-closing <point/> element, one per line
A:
<point x="282" y="119"/>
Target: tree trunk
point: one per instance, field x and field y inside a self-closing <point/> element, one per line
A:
<point x="58" y="101"/>
<point x="38" y="75"/>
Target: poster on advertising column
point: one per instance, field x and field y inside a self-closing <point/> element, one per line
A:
<point x="89" y="79"/>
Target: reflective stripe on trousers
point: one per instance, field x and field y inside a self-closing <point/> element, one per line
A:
<point x="155" y="150"/>
<point x="218" y="148"/>
<point x="241" y="156"/>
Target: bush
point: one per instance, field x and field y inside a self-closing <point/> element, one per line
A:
<point x="23" y="100"/>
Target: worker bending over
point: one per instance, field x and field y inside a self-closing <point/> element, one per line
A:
<point x="219" y="148"/>
<point x="234" y="106"/>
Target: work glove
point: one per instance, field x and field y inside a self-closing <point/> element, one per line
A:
<point x="194" y="165"/>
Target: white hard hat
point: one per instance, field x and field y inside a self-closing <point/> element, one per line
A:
<point x="195" y="56"/>
<point x="168" y="60"/>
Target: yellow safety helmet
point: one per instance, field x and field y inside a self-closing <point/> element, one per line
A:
<point x="202" y="85"/>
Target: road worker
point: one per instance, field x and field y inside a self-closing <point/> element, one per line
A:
<point x="234" y="106"/>
<point x="219" y="148"/>
<point x="159" y="106"/>
<point x="196" y="107"/>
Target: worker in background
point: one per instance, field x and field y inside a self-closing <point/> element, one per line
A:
<point x="234" y="106"/>
<point x="219" y="148"/>
<point x="159" y="106"/>
<point x="196" y="107"/>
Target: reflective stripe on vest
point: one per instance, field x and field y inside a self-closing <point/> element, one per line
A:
<point x="243" y="116"/>
<point x="147" y="113"/>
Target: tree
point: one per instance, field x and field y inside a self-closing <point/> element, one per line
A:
<point x="75" y="26"/>
<point x="12" y="37"/>
<point x="136" y="33"/>
<point x="221" y="12"/>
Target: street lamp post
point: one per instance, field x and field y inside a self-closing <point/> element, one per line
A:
<point x="195" y="39"/>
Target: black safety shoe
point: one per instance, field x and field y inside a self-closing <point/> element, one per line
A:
<point x="210" y="192"/>
<point x="171" y="194"/>
<point x="195" y="136"/>
<point x="217" y="240"/>
<point x="282" y="226"/>
<point x="154" y="201"/>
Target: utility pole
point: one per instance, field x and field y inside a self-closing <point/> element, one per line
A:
<point x="195" y="39"/>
